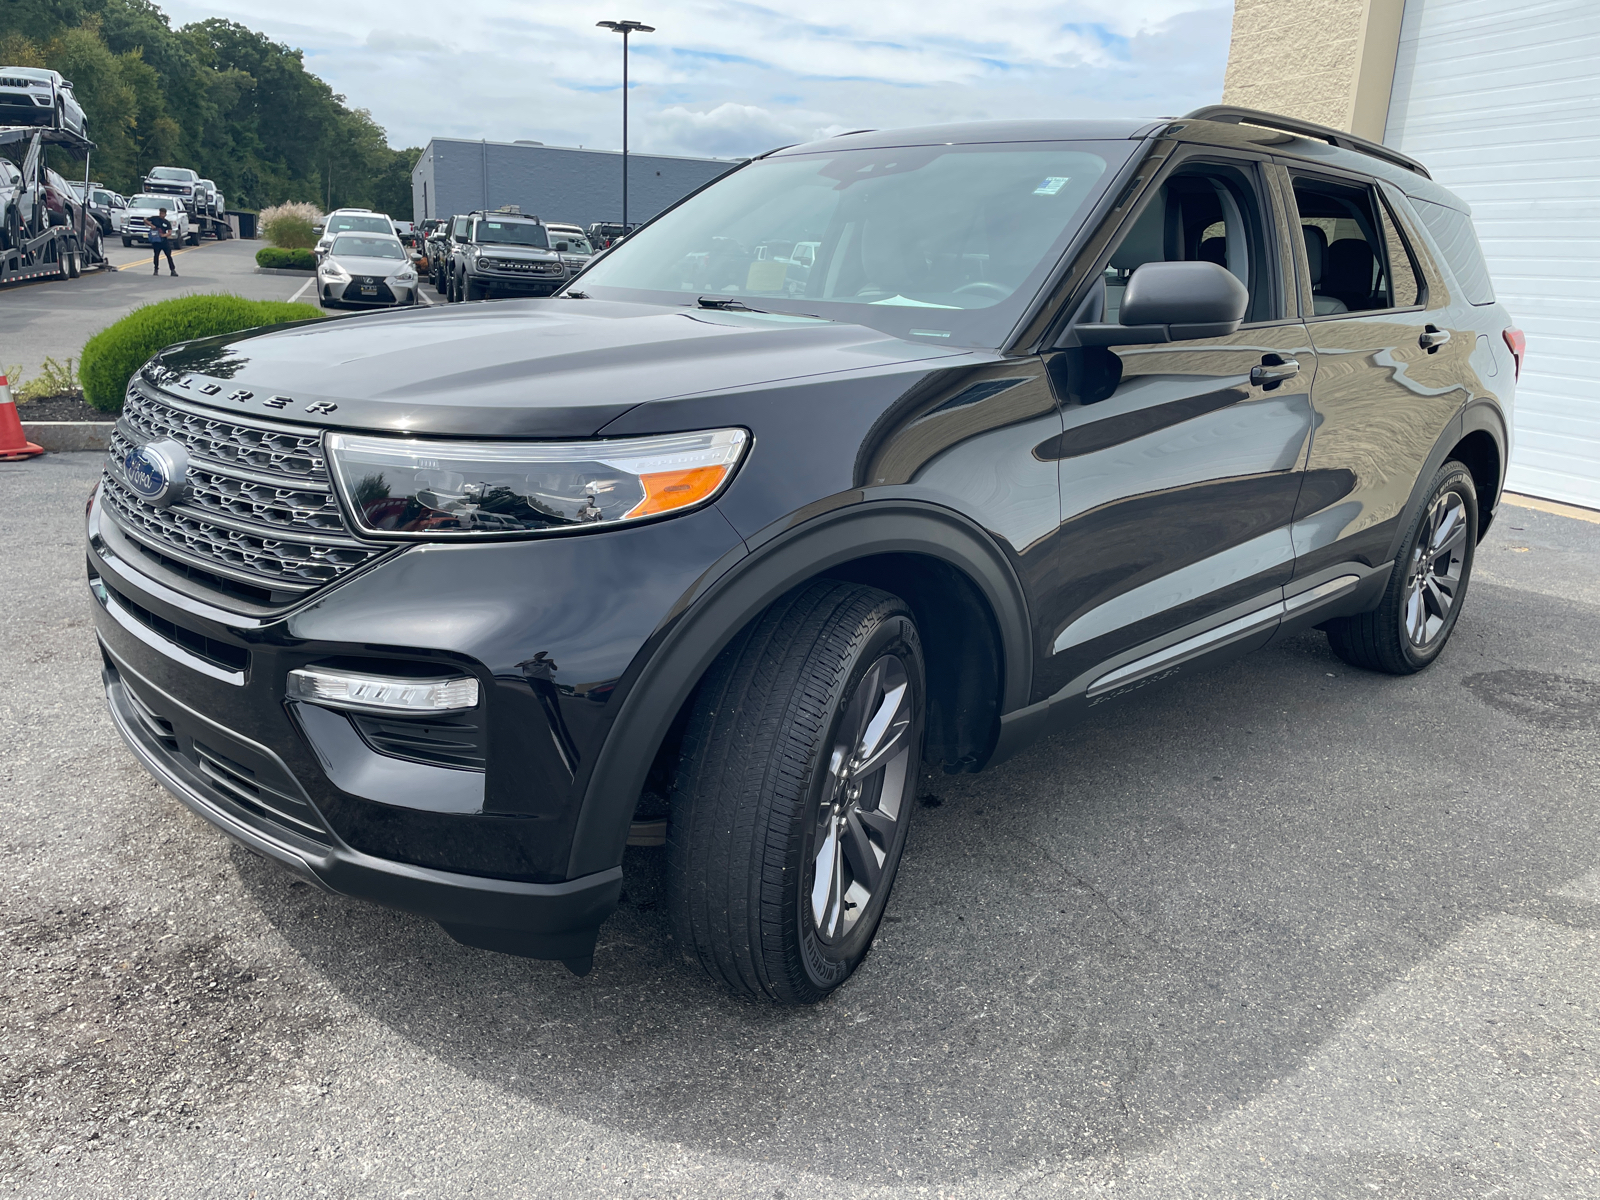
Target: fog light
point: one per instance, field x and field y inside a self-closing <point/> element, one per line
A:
<point x="382" y="693"/>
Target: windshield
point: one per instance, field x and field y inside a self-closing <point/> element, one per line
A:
<point x="947" y="243"/>
<point x="356" y="246"/>
<point x="182" y="173"/>
<point x="30" y="73"/>
<point x="510" y="233"/>
<point x="363" y="222"/>
<point x="570" y="243"/>
<point x="149" y="201"/>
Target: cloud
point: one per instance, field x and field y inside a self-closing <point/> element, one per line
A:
<point x="734" y="77"/>
<point x="731" y="130"/>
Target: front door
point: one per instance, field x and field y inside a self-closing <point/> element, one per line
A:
<point x="1180" y="462"/>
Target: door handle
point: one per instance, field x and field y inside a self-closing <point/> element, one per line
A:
<point x="1432" y="338"/>
<point x="1274" y="369"/>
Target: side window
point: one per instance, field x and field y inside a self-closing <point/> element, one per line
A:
<point x="1203" y="213"/>
<point x="461" y="227"/>
<point x="1358" y="260"/>
<point x="1458" y="242"/>
<point x="1404" y="287"/>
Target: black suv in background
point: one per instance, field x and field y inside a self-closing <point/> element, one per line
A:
<point x="504" y="253"/>
<point x="721" y="544"/>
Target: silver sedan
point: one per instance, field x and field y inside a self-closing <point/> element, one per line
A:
<point x="366" y="270"/>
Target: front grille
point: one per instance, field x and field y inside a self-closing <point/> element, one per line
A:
<point x="383" y="295"/>
<point x="522" y="267"/>
<point x="259" y="508"/>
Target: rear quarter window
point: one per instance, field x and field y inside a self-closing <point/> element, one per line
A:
<point x="1458" y="242"/>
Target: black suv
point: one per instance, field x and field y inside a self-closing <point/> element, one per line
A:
<point x="504" y="253"/>
<point x="687" y="555"/>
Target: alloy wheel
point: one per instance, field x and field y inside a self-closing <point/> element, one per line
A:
<point x="863" y="801"/>
<point x="1433" y="583"/>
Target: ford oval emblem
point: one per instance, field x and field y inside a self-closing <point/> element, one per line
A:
<point x="157" y="471"/>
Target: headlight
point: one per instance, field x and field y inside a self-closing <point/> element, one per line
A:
<point x="333" y="270"/>
<point x="406" y="275"/>
<point x="414" y="488"/>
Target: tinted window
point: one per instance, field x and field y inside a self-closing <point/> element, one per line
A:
<point x="1405" y="287"/>
<point x="511" y="233"/>
<point x="1348" y="249"/>
<point x="940" y="242"/>
<point x="1458" y="242"/>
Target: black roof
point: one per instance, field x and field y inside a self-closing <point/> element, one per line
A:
<point x="1091" y="129"/>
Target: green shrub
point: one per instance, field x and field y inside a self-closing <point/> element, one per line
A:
<point x="290" y="226"/>
<point x="286" y="260"/>
<point x="112" y="356"/>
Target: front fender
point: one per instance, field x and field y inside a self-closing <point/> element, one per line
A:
<point x="666" y="671"/>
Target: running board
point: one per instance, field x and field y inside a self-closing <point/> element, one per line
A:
<point x="1212" y="639"/>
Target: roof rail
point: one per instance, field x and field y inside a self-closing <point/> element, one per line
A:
<point x="1228" y="114"/>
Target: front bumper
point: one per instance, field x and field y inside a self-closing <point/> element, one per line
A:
<point x="382" y="294"/>
<point x="499" y="283"/>
<point x="548" y="920"/>
<point x="198" y="693"/>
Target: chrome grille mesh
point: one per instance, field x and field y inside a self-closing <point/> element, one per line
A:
<point x="259" y="507"/>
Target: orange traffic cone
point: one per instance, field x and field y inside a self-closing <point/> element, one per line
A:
<point x="13" y="445"/>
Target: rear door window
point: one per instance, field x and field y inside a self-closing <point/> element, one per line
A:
<point x="1358" y="258"/>
<point x="1458" y="242"/>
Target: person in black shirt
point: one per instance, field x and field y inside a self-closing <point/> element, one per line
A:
<point x="161" y="239"/>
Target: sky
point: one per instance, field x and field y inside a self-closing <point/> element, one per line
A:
<point x="723" y="78"/>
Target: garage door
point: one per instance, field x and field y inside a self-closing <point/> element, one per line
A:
<point x="1499" y="101"/>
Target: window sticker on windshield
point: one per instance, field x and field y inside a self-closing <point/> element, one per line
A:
<point x="1051" y="185"/>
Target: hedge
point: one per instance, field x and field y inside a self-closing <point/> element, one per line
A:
<point x="112" y="356"/>
<point x="286" y="260"/>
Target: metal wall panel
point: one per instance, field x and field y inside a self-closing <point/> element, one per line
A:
<point x="556" y="183"/>
<point x="1499" y="101"/>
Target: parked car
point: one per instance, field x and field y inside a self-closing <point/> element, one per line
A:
<point x="602" y="234"/>
<point x="1068" y="407"/>
<point x="136" y="223"/>
<point x="441" y="248"/>
<point x="34" y="96"/>
<point x="109" y="209"/>
<point x="366" y="270"/>
<point x="572" y="243"/>
<point x="207" y="200"/>
<point x="191" y="192"/>
<point x="347" y="220"/>
<point x="505" y="254"/>
<point x="11" y="217"/>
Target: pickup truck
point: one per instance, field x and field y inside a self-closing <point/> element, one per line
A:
<point x="181" y="184"/>
<point x="136" y="224"/>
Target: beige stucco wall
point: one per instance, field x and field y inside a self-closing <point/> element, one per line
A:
<point x="1329" y="61"/>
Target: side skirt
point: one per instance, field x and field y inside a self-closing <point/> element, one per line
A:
<point x="1306" y="602"/>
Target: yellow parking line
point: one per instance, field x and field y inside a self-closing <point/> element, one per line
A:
<point x="145" y="261"/>
<point x="1552" y="506"/>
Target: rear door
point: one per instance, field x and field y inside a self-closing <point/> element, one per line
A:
<point x="1390" y="373"/>
<point x="1180" y="462"/>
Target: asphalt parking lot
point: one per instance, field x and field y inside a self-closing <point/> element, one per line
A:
<point x="1285" y="929"/>
<point x="54" y="318"/>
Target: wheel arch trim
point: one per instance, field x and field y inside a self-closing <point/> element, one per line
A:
<point x="668" y="670"/>
<point x="1478" y="416"/>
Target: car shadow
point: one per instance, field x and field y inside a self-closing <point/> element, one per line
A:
<point x="1128" y="930"/>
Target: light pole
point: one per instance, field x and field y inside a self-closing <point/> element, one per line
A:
<point x="625" y="28"/>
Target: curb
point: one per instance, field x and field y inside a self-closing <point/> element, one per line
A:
<point x="285" y="271"/>
<point x="70" y="435"/>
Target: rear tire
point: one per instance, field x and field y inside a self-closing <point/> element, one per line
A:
<point x="1426" y="589"/>
<point x="794" y="792"/>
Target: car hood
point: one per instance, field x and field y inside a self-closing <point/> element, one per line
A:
<point x="508" y="250"/>
<point x="360" y="265"/>
<point x="514" y="368"/>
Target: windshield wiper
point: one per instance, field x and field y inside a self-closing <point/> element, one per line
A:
<point x="733" y="304"/>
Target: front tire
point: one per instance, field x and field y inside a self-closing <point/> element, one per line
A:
<point x="794" y="792"/>
<point x="474" y="291"/>
<point x="1426" y="589"/>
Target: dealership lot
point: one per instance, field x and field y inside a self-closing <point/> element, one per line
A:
<point x="53" y="319"/>
<point x="1280" y="929"/>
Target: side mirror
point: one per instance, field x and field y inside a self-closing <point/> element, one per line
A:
<point x="1173" y="302"/>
